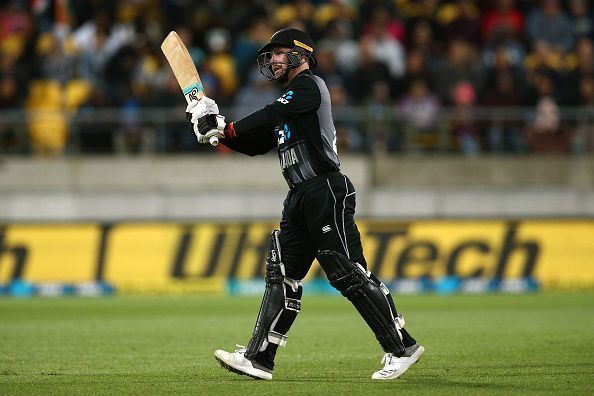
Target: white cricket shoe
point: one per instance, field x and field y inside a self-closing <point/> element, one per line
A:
<point x="237" y="363"/>
<point x="396" y="366"/>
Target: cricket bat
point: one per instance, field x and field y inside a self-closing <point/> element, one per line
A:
<point x="184" y="70"/>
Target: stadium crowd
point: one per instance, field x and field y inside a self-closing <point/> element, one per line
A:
<point x="403" y="62"/>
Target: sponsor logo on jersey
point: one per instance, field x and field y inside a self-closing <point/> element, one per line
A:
<point x="284" y="99"/>
<point x="284" y="134"/>
<point x="288" y="158"/>
<point x="326" y="229"/>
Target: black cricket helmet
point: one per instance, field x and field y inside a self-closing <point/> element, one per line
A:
<point x="299" y="43"/>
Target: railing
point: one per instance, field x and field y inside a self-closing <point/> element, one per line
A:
<point x="367" y="129"/>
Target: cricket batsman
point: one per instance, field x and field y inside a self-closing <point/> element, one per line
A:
<point x="318" y="212"/>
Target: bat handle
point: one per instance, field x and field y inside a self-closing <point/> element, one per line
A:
<point x="214" y="141"/>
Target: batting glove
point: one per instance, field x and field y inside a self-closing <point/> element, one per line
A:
<point x="205" y="118"/>
<point x="208" y="126"/>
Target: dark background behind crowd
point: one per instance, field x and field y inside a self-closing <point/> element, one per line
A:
<point x="401" y="62"/>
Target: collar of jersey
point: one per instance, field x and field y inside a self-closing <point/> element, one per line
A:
<point x="301" y="73"/>
<point x="306" y="71"/>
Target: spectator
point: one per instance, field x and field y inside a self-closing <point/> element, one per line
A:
<point x="582" y="19"/>
<point x="384" y="47"/>
<point x="346" y="50"/>
<point x="587" y="92"/>
<point x="463" y="126"/>
<point x="503" y="133"/>
<point x="296" y="14"/>
<point x="221" y="63"/>
<point x="504" y="17"/>
<point x="10" y="138"/>
<point x="95" y="137"/>
<point x="547" y="59"/>
<point x="9" y="95"/>
<point x="501" y="65"/>
<point x="150" y="74"/>
<point x="544" y="132"/>
<point x="378" y="126"/>
<point x="98" y="40"/>
<point x="381" y="19"/>
<point x="211" y="83"/>
<point x="585" y="56"/>
<point x="583" y="139"/>
<point x="420" y="108"/>
<point x="416" y="69"/>
<point x="422" y="10"/>
<point x="461" y="64"/>
<point x="421" y="40"/>
<point x="349" y="137"/>
<point x="187" y="37"/>
<point x="367" y="74"/>
<point x="175" y="137"/>
<point x="582" y="66"/>
<point x="504" y="40"/>
<point x="132" y="136"/>
<point x="466" y="24"/>
<point x="327" y="68"/>
<point x="247" y="44"/>
<point x="118" y="74"/>
<point x="14" y="21"/>
<point x="57" y="58"/>
<point x="550" y="24"/>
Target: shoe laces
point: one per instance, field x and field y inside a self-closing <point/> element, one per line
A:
<point x="241" y="349"/>
<point x="387" y="359"/>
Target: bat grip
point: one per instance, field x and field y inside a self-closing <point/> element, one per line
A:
<point x="214" y="141"/>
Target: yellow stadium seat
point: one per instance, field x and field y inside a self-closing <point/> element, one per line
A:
<point x="44" y="94"/>
<point x="76" y="92"/>
<point x="48" y="131"/>
<point x="47" y="122"/>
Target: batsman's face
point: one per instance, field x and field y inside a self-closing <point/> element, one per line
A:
<point x="276" y="64"/>
<point x="279" y="62"/>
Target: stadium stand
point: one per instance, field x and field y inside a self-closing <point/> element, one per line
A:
<point x="463" y="62"/>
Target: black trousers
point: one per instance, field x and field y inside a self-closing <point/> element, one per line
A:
<point x="319" y="216"/>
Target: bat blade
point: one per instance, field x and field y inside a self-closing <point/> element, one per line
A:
<point x="184" y="70"/>
<point x="183" y="67"/>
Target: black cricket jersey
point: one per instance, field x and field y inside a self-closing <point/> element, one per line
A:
<point x="299" y="124"/>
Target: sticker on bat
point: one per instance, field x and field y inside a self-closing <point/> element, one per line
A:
<point x="193" y="90"/>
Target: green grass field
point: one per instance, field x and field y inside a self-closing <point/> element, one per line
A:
<point x="492" y="344"/>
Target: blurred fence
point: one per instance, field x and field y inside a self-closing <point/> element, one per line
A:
<point x="366" y="129"/>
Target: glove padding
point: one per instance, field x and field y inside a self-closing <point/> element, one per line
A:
<point x="205" y="118"/>
<point x="208" y="126"/>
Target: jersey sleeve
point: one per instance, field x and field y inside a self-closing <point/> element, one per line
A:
<point x="302" y="96"/>
<point x="251" y="135"/>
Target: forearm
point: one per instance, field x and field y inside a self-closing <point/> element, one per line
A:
<point x="253" y="123"/>
<point x="251" y="135"/>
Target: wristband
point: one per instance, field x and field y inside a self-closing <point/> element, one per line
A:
<point x="229" y="132"/>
